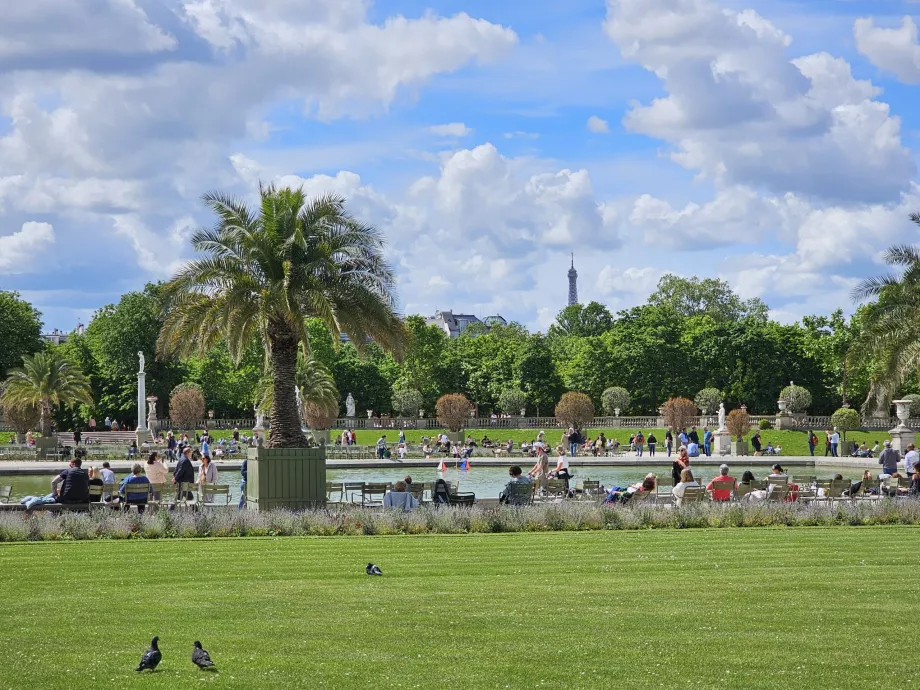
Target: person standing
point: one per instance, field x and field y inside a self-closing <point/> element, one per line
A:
<point x="835" y="444"/>
<point x="889" y="459"/>
<point x="640" y="444"/>
<point x="244" y="473"/>
<point x="693" y="437"/>
<point x="827" y="442"/>
<point x="812" y="442"/>
<point x="669" y="441"/>
<point x="108" y="423"/>
<point x="911" y="458"/>
<point x="184" y="472"/>
<point x="652" y="442"/>
<point x="574" y="441"/>
<point x="77" y="437"/>
<point x="707" y="441"/>
<point x="92" y="423"/>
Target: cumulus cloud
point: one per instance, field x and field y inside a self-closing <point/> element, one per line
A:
<point x="453" y="129"/>
<point x="740" y="112"/>
<point x="892" y="50"/>
<point x="597" y="125"/>
<point x="25" y="251"/>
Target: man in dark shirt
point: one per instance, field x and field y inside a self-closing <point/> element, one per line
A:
<point x="74" y="482"/>
<point x="693" y="436"/>
<point x="185" y="471"/>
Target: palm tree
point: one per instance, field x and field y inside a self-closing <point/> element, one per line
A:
<point x="46" y="380"/>
<point x="319" y="397"/>
<point x="264" y="272"/>
<point x="891" y="325"/>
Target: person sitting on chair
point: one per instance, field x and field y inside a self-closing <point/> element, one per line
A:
<point x="517" y="478"/>
<point x="136" y="480"/>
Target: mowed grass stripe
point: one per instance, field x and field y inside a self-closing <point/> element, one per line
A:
<point x="822" y="607"/>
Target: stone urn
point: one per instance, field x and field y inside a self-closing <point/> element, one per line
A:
<point x="902" y="410"/>
<point x="782" y="404"/>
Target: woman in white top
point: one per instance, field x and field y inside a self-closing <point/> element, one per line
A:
<point x="156" y="473"/>
<point x="686" y="479"/>
<point x="562" y="465"/>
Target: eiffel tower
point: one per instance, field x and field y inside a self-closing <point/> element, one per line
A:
<point x="573" y="283"/>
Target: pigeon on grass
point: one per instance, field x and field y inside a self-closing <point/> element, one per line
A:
<point x="201" y="658"/>
<point x="152" y="657"/>
<point x="372" y="569"/>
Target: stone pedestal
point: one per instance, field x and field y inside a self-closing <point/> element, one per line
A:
<point x="616" y="423"/>
<point x="142" y="433"/>
<point x="293" y="478"/>
<point x="320" y="436"/>
<point x="901" y="437"/>
<point x="721" y="440"/>
<point x="739" y="448"/>
<point x="456" y="436"/>
<point x="44" y="446"/>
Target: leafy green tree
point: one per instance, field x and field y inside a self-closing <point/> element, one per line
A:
<point x="45" y="381"/>
<point x="592" y="319"/>
<point x="229" y="388"/>
<point x="426" y="364"/>
<point x="615" y="399"/>
<point x="536" y="374"/>
<point x="512" y="401"/>
<point x="708" y="399"/>
<point x="113" y="338"/>
<point x="891" y="324"/>
<point x="369" y="378"/>
<point x="487" y="361"/>
<point x="709" y="296"/>
<point x="845" y="419"/>
<point x="264" y="272"/>
<point x="407" y="401"/>
<point x="21" y="326"/>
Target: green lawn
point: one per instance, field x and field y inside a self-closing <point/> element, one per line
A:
<point x="753" y="608"/>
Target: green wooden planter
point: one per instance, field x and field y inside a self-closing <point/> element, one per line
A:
<point x="286" y="478"/>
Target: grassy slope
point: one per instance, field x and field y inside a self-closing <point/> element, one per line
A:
<point x="729" y="609"/>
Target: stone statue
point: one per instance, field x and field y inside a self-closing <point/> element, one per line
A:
<point x="349" y="406"/>
<point x="260" y="423"/>
<point x="722" y="416"/>
<point x="140" y="357"/>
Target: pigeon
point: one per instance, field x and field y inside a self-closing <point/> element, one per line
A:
<point x="152" y="657"/>
<point x="372" y="569"/>
<point x="201" y="658"/>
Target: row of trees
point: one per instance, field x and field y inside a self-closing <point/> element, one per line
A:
<point x="275" y="283"/>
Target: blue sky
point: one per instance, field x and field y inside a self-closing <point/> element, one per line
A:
<point x="771" y="144"/>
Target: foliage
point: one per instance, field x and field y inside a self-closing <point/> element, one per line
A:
<point x="914" y="404"/>
<point x="765" y="424"/>
<point x="512" y="401"/>
<point x="108" y="354"/>
<point x="186" y="406"/>
<point x="575" y="409"/>
<point x="738" y="423"/>
<point x="797" y="398"/>
<point x="316" y="388"/>
<point x="615" y="400"/>
<point x="891" y="325"/>
<point x="679" y="413"/>
<point x="845" y="419"/>
<point x="537" y="375"/>
<point x="583" y="321"/>
<point x="21" y="326"/>
<point x="708" y="399"/>
<point x="453" y="410"/>
<point x="705" y="297"/>
<point x="264" y="272"/>
<point x="368" y="376"/>
<point x="46" y="381"/>
<point x="408" y="401"/>
<point x="22" y="418"/>
<point x="228" y="386"/>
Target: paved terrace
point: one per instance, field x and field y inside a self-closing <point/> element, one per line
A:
<point x="8" y="467"/>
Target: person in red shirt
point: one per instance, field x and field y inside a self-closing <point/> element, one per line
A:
<point x="722" y="494"/>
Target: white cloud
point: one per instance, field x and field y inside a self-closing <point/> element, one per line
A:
<point x="26" y="251"/>
<point x="633" y="280"/>
<point x="740" y="112"/>
<point x="48" y="30"/>
<point x="597" y="125"/>
<point x="453" y="129"/>
<point x="892" y="50"/>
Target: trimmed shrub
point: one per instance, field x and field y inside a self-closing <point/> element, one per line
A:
<point x="738" y="423"/>
<point x="615" y="397"/>
<point x="407" y="401"/>
<point x="186" y="405"/>
<point x="708" y="399"/>
<point x="797" y="399"/>
<point x="453" y="410"/>
<point x="765" y="424"/>
<point x="679" y="413"/>
<point x="845" y="419"/>
<point x="512" y="401"/>
<point x="575" y="409"/>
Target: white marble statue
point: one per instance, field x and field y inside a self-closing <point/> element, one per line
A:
<point x="260" y="420"/>
<point x="722" y="416"/>
<point x="140" y="357"/>
<point x="349" y="406"/>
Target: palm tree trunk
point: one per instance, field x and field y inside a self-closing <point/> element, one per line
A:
<point x="285" y="431"/>
<point x="45" y="420"/>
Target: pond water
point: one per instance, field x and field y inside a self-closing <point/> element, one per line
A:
<point x="485" y="482"/>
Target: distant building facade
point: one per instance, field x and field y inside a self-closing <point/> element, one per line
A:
<point x="455" y="324"/>
<point x="57" y="336"/>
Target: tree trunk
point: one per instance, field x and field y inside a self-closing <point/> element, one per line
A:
<point x="45" y="421"/>
<point x="285" y="431"/>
